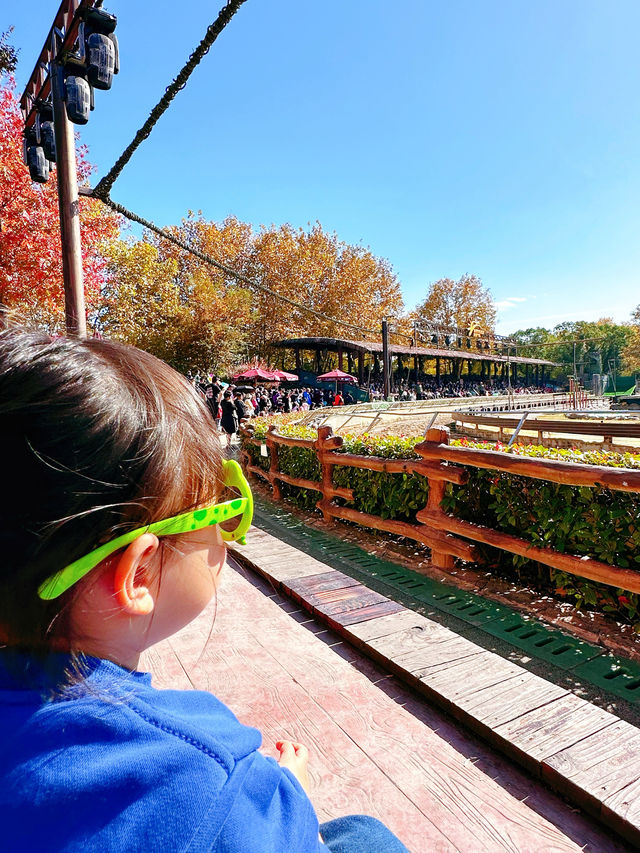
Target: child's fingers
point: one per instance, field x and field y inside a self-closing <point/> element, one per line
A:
<point x="285" y="747"/>
<point x="289" y="749"/>
<point x="301" y="750"/>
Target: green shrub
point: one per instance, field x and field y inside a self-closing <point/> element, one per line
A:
<point x="294" y="461"/>
<point x="594" y="522"/>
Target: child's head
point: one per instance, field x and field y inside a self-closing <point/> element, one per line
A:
<point x="97" y="439"/>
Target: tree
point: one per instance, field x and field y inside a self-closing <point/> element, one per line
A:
<point x="31" y="282"/>
<point x="599" y="344"/>
<point x="8" y="54"/>
<point x="531" y="342"/>
<point x="217" y="321"/>
<point x="591" y="346"/>
<point x="463" y="304"/>
<point x="631" y="351"/>
<point x="172" y="304"/>
<point x="217" y="309"/>
<point x="323" y="273"/>
<point x="140" y="301"/>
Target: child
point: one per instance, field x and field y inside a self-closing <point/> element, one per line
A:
<point x="109" y="512"/>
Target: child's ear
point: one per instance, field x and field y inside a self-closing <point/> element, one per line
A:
<point x="130" y="575"/>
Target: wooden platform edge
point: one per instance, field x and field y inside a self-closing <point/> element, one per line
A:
<point x="358" y="614"/>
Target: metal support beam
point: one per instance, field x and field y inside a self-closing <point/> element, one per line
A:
<point x="385" y="360"/>
<point x="66" y="170"/>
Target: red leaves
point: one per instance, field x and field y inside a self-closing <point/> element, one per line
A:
<point x="30" y="256"/>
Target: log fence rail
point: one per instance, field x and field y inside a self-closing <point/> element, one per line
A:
<point x="446" y="535"/>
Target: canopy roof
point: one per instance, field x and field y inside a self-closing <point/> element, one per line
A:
<point x="395" y="349"/>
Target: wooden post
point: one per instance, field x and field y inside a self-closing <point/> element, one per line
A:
<point x="437" y="370"/>
<point x="361" y="368"/>
<point x="297" y="351"/>
<point x="340" y="356"/>
<point x="438" y="435"/>
<point x="385" y="360"/>
<point x="75" y="312"/>
<point x="273" y="463"/>
<point x="326" y="441"/>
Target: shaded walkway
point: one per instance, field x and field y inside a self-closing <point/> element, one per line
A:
<point x="376" y="747"/>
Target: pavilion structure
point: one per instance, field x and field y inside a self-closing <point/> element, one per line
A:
<point x="362" y="357"/>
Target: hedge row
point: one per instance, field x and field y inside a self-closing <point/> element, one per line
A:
<point x="584" y="521"/>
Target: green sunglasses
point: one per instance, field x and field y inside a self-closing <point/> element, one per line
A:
<point x="233" y="477"/>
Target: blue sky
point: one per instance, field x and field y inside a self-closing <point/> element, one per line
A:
<point x="497" y="137"/>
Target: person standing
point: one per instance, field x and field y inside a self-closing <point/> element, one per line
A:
<point x="229" y="419"/>
<point x="212" y="405"/>
<point x="241" y="406"/>
<point x="216" y="390"/>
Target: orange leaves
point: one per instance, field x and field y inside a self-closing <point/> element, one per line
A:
<point x="631" y="352"/>
<point x="317" y="269"/>
<point x="174" y="305"/>
<point x="465" y="304"/>
<point x="216" y="321"/>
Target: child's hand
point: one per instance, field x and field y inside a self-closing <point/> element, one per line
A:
<point x="295" y="757"/>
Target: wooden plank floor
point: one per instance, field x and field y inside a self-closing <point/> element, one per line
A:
<point x="507" y="705"/>
<point x="376" y="747"/>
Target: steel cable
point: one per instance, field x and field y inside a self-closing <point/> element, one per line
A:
<point x="203" y="256"/>
<point x="103" y="187"/>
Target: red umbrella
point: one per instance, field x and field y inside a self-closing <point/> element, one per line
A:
<point x="257" y="373"/>
<point x="337" y="376"/>
<point x="286" y="377"/>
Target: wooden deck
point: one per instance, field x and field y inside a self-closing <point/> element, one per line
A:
<point x="376" y="747"/>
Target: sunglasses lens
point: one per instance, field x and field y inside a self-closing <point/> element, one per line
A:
<point x="231" y="524"/>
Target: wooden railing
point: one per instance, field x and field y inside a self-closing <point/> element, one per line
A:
<point x="440" y="531"/>
<point x="608" y="428"/>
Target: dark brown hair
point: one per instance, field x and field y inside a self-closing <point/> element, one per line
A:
<point x="96" y="438"/>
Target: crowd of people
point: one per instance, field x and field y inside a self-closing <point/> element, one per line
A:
<point x="230" y="404"/>
<point x="430" y="389"/>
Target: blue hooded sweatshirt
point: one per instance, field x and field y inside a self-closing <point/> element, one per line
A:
<point x="109" y="763"/>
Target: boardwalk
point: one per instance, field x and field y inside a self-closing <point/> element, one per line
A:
<point x="376" y="748"/>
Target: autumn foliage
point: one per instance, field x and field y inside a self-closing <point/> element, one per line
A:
<point x="166" y="301"/>
<point x="463" y="304"/>
<point x="631" y="352"/>
<point x="207" y="317"/>
<point x="323" y="273"/>
<point x="30" y="259"/>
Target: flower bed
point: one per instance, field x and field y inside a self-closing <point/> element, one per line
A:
<point x="596" y="522"/>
